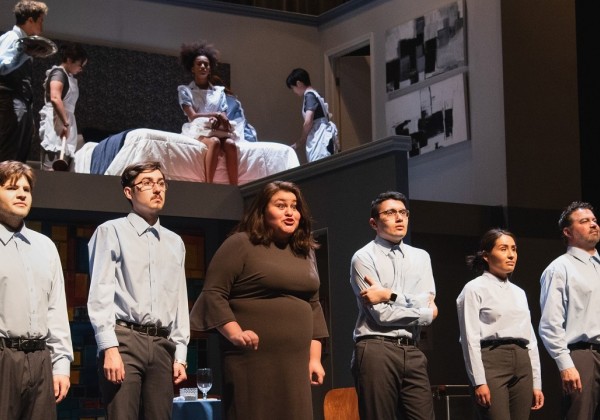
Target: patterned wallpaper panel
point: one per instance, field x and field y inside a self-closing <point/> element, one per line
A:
<point x="122" y="89"/>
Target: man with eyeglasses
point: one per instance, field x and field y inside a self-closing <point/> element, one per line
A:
<point x="570" y="302"/>
<point x="395" y="291"/>
<point x="138" y="302"/>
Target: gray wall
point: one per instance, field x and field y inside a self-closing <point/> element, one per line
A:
<point x="542" y="112"/>
<point x="474" y="172"/>
<point x="539" y="107"/>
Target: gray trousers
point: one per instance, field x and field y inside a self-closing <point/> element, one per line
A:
<point x="147" y="391"/>
<point x="584" y="405"/>
<point x="26" y="385"/>
<point x="391" y="381"/>
<point x="510" y="379"/>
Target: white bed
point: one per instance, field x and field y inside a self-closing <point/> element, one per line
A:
<point x="183" y="157"/>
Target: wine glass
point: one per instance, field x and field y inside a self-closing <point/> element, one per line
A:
<point x="204" y="380"/>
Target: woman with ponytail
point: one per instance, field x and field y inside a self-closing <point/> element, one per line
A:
<point x="498" y="340"/>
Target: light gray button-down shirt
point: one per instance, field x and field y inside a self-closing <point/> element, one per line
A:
<point x="407" y="272"/>
<point x="32" y="294"/>
<point x="492" y="309"/>
<point x="138" y="275"/>
<point x="570" y="300"/>
<point x="10" y="57"/>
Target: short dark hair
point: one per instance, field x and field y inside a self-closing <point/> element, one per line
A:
<point x="476" y="262"/>
<point x="73" y="51"/>
<point x="12" y="170"/>
<point x="189" y="53"/>
<point x="565" y="217"/>
<point x="297" y="75"/>
<point x="388" y="195"/>
<point x="253" y="221"/>
<point x="26" y="9"/>
<point x="132" y="171"/>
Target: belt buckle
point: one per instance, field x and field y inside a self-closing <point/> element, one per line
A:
<point x="405" y="341"/>
<point x="26" y="345"/>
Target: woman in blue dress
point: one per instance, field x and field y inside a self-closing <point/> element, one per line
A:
<point x="205" y="106"/>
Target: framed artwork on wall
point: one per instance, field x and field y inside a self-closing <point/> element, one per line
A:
<point x="425" y="47"/>
<point x="434" y="116"/>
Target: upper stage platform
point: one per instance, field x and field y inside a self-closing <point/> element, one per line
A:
<point x="84" y="195"/>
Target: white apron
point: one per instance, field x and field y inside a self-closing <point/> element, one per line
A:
<point x="322" y="134"/>
<point x="206" y="101"/>
<point x="51" y="125"/>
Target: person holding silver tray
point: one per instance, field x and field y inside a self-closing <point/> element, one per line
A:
<point x="17" y="49"/>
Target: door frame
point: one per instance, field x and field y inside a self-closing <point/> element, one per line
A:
<point x="331" y="73"/>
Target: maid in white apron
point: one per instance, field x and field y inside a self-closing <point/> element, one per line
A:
<point x="322" y="140"/>
<point x="61" y="92"/>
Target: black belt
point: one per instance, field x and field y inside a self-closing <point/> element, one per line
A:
<point x="23" y="344"/>
<point x="500" y="342"/>
<point x="151" y="330"/>
<point x="584" y="345"/>
<point x="402" y="341"/>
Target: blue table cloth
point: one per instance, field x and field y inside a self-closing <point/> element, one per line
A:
<point x="197" y="410"/>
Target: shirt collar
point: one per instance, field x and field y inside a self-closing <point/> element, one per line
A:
<point x="496" y="280"/>
<point x="21" y="32"/>
<point x="388" y="247"/>
<point x="211" y="87"/>
<point x="141" y="226"/>
<point x="7" y="234"/>
<point x="582" y="255"/>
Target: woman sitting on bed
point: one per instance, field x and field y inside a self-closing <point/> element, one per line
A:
<point x="235" y="113"/>
<point x="206" y="108"/>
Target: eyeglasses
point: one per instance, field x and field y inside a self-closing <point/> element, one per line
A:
<point x="395" y="213"/>
<point x="148" y="184"/>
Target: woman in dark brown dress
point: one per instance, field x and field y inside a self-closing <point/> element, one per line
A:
<point x="261" y="294"/>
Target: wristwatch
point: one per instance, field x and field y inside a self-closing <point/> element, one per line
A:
<point x="181" y="362"/>
<point x="393" y="297"/>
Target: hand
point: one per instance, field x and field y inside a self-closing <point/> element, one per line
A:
<point x="64" y="132"/>
<point x="221" y="122"/>
<point x="299" y="145"/>
<point x="246" y="338"/>
<point x="61" y="387"/>
<point x="538" y="399"/>
<point x="179" y="374"/>
<point x="571" y="382"/>
<point x="316" y="372"/>
<point x="375" y="293"/>
<point x="432" y="305"/>
<point x="483" y="396"/>
<point x="114" y="369"/>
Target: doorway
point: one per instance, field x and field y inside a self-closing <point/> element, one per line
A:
<point x="350" y="85"/>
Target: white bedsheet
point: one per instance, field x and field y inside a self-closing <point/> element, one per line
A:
<point x="183" y="157"/>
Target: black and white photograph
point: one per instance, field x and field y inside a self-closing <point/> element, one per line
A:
<point x="424" y="47"/>
<point x="434" y="116"/>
